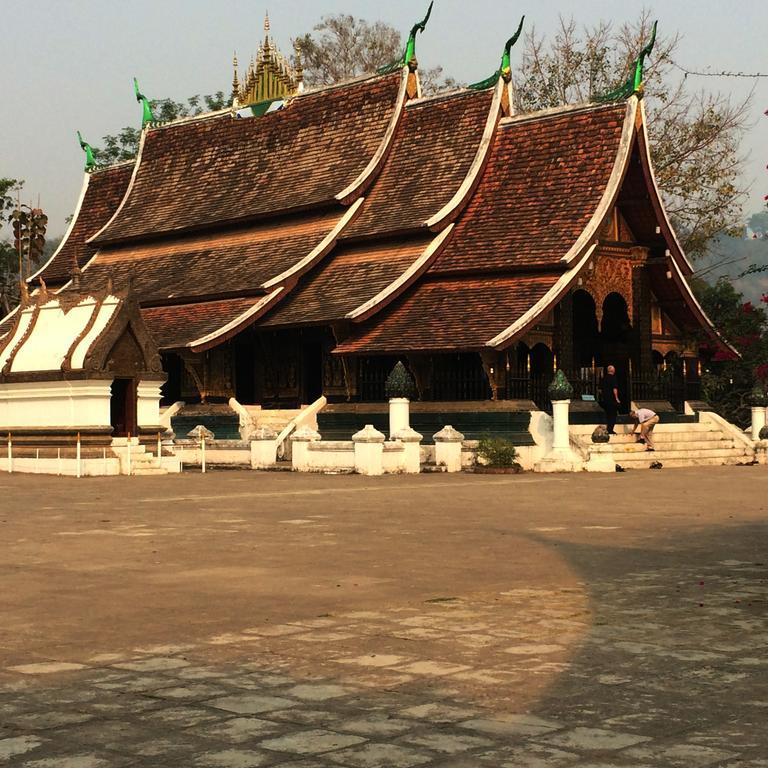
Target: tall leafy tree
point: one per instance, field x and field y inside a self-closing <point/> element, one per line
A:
<point x="341" y="46"/>
<point x="729" y="379"/>
<point x="694" y="135"/>
<point x="9" y="259"/>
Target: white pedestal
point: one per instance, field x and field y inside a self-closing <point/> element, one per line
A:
<point x="561" y="458"/>
<point x="758" y="421"/>
<point x="448" y="448"/>
<point x="561" y="438"/>
<point x="601" y="458"/>
<point x="300" y="441"/>
<point x="411" y="448"/>
<point x="369" y="450"/>
<point x="263" y="448"/>
<point x="399" y="415"/>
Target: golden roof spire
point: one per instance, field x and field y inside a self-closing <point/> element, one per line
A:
<point x="235" y="79"/>
<point x="270" y="76"/>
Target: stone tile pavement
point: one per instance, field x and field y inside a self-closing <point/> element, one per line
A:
<point x="648" y="658"/>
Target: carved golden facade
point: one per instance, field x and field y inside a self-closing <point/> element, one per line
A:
<point x="269" y="75"/>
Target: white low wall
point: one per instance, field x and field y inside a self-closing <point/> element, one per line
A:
<point x="331" y="456"/>
<point x="69" y="404"/>
<point x="88" y="467"/>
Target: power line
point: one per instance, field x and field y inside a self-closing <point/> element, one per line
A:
<point x="746" y="75"/>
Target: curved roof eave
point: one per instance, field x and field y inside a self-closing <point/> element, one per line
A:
<point x="128" y="191"/>
<point x="551" y="297"/>
<point x="358" y="187"/>
<point x="463" y="194"/>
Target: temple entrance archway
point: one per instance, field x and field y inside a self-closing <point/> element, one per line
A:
<point x="586" y="334"/>
<point x="618" y="343"/>
<point x="122" y="407"/>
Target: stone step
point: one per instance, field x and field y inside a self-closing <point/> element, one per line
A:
<point x="669" y="437"/>
<point x="717" y="461"/>
<point x="122" y="442"/>
<point x="433" y="468"/>
<point x="664" y="455"/>
<point x="684" y="446"/>
<point x="149" y="471"/>
<point x="587" y="429"/>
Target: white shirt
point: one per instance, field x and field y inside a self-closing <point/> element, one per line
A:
<point x="643" y="414"/>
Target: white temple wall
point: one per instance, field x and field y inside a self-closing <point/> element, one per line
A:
<point x="56" y="404"/>
<point x="148" y="404"/>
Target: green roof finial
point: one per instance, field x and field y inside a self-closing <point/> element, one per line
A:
<point x="640" y="63"/>
<point x="635" y="84"/>
<point x="409" y="54"/>
<point x="90" y="162"/>
<point x="410" y="48"/>
<point x="505" y="70"/>
<point x="147" y="116"/>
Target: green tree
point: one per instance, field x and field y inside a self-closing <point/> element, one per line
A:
<point x="729" y="379"/>
<point x="9" y="258"/>
<point x="125" y="144"/>
<point x="694" y="135"/>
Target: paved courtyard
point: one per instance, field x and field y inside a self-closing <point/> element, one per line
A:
<point x="245" y="619"/>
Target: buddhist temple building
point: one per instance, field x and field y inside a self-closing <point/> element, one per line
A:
<point x="302" y="242"/>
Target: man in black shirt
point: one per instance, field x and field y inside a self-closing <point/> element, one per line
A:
<point x="610" y="398"/>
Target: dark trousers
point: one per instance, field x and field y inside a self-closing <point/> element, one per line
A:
<point x="611" y="412"/>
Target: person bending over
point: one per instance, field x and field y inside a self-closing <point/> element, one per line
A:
<point x="646" y="419"/>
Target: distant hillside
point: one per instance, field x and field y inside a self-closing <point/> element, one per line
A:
<point x="732" y="256"/>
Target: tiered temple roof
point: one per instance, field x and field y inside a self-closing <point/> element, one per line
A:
<point x="406" y="224"/>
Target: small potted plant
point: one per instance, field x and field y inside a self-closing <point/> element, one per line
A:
<point x="399" y="389"/>
<point x="497" y="456"/>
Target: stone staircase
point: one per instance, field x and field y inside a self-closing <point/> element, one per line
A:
<point x="677" y="445"/>
<point x="273" y="418"/>
<point x="141" y="461"/>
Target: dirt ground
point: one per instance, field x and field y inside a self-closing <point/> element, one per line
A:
<point x="244" y="619"/>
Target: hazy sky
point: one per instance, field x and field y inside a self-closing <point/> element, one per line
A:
<point x="68" y="64"/>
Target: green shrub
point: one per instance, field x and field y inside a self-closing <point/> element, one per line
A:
<point x="497" y="452"/>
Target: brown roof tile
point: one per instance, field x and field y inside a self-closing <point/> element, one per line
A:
<point x="177" y="326"/>
<point x="105" y="189"/>
<point x="431" y="154"/>
<point x="350" y="277"/>
<point x="450" y="313"/>
<point x="221" y="169"/>
<point x="206" y="264"/>
<point x="543" y="182"/>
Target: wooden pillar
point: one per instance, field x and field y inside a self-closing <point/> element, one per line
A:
<point x="642" y="322"/>
<point x="493" y="367"/>
<point x="563" y="337"/>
